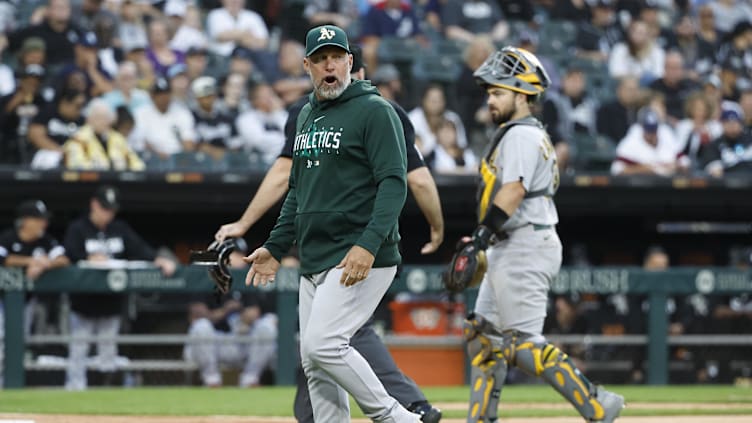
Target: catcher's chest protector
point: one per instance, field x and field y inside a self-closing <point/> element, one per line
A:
<point x="489" y="185"/>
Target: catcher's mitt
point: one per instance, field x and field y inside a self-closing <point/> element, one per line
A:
<point x="217" y="258"/>
<point x="467" y="267"/>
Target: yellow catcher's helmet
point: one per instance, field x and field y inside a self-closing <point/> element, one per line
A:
<point x="515" y="69"/>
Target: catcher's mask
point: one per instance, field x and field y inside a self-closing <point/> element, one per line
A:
<point x="466" y="269"/>
<point x="515" y="69"/>
<point x="217" y="258"/>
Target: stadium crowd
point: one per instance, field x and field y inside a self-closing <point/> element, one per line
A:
<point x="640" y="86"/>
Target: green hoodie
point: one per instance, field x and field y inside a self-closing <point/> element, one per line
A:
<point x="347" y="184"/>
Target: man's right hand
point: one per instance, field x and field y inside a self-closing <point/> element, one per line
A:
<point x="437" y="237"/>
<point x="231" y="230"/>
<point x="263" y="267"/>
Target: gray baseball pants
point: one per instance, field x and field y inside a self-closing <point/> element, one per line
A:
<point x="330" y="314"/>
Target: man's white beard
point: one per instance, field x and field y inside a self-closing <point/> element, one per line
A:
<point x="326" y="92"/>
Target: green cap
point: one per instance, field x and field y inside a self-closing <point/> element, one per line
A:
<point x="325" y="35"/>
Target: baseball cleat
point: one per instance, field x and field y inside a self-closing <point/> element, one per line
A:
<point x="612" y="404"/>
<point x="427" y="413"/>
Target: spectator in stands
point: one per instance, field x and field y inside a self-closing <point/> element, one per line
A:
<point x="639" y="55"/>
<point x="188" y="29"/>
<point x="698" y="129"/>
<point x="160" y="54"/>
<point x="614" y="118"/>
<point x="234" y="99"/>
<point x="18" y="110"/>
<point x="97" y="146"/>
<point x="292" y="82"/>
<point x="735" y="52"/>
<point x="730" y="83"/>
<point x="97" y="80"/>
<point x="469" y="96"/>
<point x="745" y="102"/>
<point x="448" y="156"/>
<point x="698" y="54"/>
<point x="262" y="126"/>
<point x="342" y="13"/>
<point x="464" y="20"/>
<point x="109" y="54"/>
<point x="131" y="29"/>
<point x="180" y="87"/>
<point x="387" y="18"/>
<point x="88" y="12"/>
<point x="651" y="12"/>
<point x="99" y="236"/>
<point x="648" y="148"/>
<point x="33" y="52"/>
<point x="145" y="72"/>
<point x="195" y="62"/>
<point x="216" y="131"/>
<point x="728" y="13"/>
<point x="30" y="247"/>
<point x="57" y="31"/>
<point x="241" y="62"/>
<point x="232" y="25"/>
<point x="387" y="79"/>
<point x="428" y="118"/>
<point x="569" y="112"/>
<point x="731" y="153"/>
<point x="52" y="127"/>
<point x="675" y="86"/>
<point x="706" y="26"/>
<point x="126" y="92"/>
<point x="596" y="38"/>
<point x="163" y="128"/>
<point x="249" y="344"/>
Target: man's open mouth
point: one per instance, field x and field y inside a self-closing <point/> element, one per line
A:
<point x="330" y="80"/>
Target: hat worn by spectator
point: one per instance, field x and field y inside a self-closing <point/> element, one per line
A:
<point x="33" y="44"/>
<point x="602" y="3"/>
<point x="650" y="121"/>
<point x="33" y="208"/>
<point x="160" y="86"/>
<point x="88" y="39"/>
<point x="326" y="35"/>
<point x="527" y="37"/>
<point x="385" y="73"/>
<point x="33" y="70"/>
<point x="204" y="86"/>
<point x="729" y="114"/>
<point x="108" y="197"/>
<point x="240" y="52"/>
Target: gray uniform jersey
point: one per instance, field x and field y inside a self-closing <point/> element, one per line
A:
<point x="526" y="154"/>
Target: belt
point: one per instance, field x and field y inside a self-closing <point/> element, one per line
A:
<point x="504" y="235"/>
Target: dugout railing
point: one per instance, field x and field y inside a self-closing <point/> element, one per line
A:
<point x="657" y="286"/>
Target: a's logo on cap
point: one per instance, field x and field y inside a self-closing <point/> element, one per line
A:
<point x="110" y="195"/>
<point x="326" y="33"/>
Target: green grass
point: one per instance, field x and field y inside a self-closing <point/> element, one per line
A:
<point x="277" y="401"/>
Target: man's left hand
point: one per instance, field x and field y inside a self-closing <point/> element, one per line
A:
<point x="166" y="265"/>
<point x="356" y="264"/>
